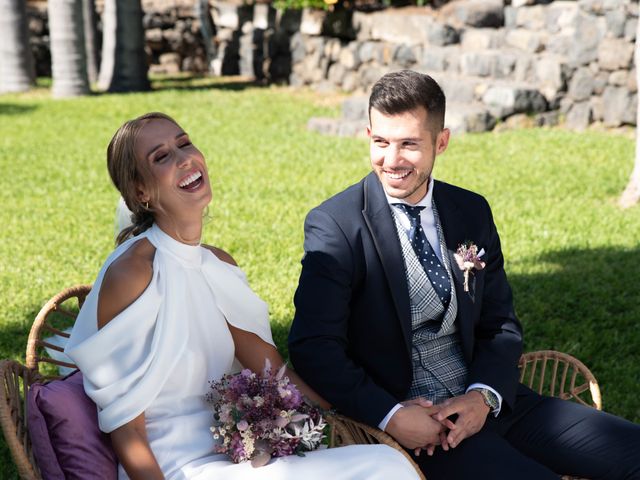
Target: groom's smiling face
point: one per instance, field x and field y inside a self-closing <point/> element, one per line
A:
<point x="403" y="148"/>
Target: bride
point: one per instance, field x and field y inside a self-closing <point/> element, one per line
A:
<point x="168" y="314"/>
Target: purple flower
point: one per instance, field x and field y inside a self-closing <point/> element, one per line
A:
<point x="258" y="415"/>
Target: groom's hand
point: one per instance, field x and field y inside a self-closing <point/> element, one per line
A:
<point x="472" y="414"/>
<point x="413" y="426"/>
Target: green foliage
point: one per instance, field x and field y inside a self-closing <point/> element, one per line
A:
<point x="569" y="250"/>
<point x="300" y="4"/>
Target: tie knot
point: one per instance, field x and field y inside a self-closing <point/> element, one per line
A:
<point x="413" y="212"/>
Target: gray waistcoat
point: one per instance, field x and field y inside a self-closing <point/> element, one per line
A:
<point x="439" y="368"/>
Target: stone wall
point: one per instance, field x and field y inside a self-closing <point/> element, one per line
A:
<point x="569" y="59"/>
<point x="497" y="60"/>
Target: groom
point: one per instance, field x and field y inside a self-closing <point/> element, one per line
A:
<point x="389" y="316"/>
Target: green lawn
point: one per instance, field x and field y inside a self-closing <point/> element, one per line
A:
<point x="570" y="251"/>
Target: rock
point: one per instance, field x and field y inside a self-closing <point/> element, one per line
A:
<point x="349" y="57"/>
<point x="170" y="62"/>
<point x="336" y="73"/>
<point x="560" y="44"/>
<point x="482" y="38"/>
<point x="581" y="85"/>
<point x="561" y="16"/>
<point x="525" y="69"/>
<point x="362" y="23"/>
<point x="522" y="3"/>
<point x="597" y="108"/>
<point x="616" y="22"/>
<point x="154" y="39"/>
<point x="479" y="13"/>
<point x="550" y="76"/>
<point x="263" y="16"/>
<point x="434" y="59"/>
<point x="531" y="18"/>
<point x="579" y="116"/>
<point x="311" y="21"/>
<point x="298" y="48"/>
<point x="592" y="6"/>
<point x="497" y="64"/>
<point x="355" y="108"/>
<point x="370" y="74"/>
<point x="399" y="27"/>
<point x="231" y="15"/>
<point x="323" y="86"/>
<point x="314" y="44"/>
<point x="619" y="78"/>
<point x="458" y="89"/>
<point x="630" y="29"/>
<point x="600" y="81"/>
<point x="466" y="117"/>
<point x="632" y="81"/>
<point x="547" y="119"/>
<point x="352" y="128"/>
<point x="369" y="51"/>
<point x="332" y="49"/>
<point x="350" y="81"/>
<point x="584" y="48"/>
<point x="507" y="99"/>
<point x="611" y="5"/>
<point x="439" y="34"/>
<point x="297" y="81"/>
<point x="525" y="40"/>
<point x="510" y="17"/>
<point x="516" y="122"/>
<point x="325" y="126"/>
<point x="404" y="56"/>
<point x="615" y="54"/>
<point x="616" y="106"/>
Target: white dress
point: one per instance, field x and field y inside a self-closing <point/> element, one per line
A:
<point x="159" y="355"/>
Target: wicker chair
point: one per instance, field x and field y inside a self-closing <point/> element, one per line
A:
<point x="56" y="315"/>
<point x="549" y="372"/>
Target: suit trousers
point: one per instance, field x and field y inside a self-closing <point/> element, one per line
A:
<point x="541" y="439"/>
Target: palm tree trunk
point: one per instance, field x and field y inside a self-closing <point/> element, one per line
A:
<point x="68" y="59"/>
<point x="16" y="60"/>
<point x="124" y="62"/>
<point x="207" y="29"/>
<point x="631" y="194"/>
<point x="90" y="21"/>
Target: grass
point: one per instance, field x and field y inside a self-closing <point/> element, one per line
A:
<point x="570" y="252"/>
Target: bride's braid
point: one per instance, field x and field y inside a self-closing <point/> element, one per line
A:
<point x="128" y="172"/>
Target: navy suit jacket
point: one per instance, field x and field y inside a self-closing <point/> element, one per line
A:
<point x="351" y="334"/>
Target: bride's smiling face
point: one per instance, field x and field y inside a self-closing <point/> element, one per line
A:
<point x="174" y="170"/>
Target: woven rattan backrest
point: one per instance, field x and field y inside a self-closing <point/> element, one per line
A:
<point x="57" y="315"/>
<point x="16" y="380"/>
<point x="558" y="374"/>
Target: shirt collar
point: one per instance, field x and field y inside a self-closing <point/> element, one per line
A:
<point x="425" y="202"/>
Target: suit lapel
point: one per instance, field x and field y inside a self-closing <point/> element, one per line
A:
<point x="378" y="218"/>
<point x="454" y="231"/>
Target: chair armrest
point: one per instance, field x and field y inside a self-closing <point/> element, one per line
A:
<point x="346" y="431"/>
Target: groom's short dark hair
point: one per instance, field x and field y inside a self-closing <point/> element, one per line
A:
<point x="399" y="92"/>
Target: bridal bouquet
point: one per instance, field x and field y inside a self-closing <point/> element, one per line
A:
<point x="257" y="417"/>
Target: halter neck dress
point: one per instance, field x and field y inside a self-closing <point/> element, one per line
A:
<point x="159" y="355"/>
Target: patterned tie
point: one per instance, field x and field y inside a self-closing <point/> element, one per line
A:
<point x="434" y="269"/>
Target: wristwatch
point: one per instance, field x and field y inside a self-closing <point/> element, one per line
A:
<point x="490" y="398"/>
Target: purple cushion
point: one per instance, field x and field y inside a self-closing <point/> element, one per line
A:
<point x="66" y="440"/>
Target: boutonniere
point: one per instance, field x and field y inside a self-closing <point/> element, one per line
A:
<point x="468" y="259"/>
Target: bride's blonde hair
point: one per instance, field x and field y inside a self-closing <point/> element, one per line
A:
<point x="127" y="172"/>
